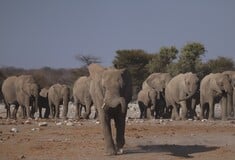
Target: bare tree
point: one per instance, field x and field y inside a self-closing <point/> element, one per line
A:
<point x="87" y="59"/>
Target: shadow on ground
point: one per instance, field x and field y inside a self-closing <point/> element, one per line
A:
<point x="184" y="151"/>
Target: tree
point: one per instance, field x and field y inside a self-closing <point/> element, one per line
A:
<point x="161" y="61"/>
<point x="87" y="59"/>
<point x="220" y="64"/>
<point x="190" y="57"/>
<point x="135" y="61"/>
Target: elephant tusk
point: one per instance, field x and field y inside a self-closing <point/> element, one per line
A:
<point x="103" y="105"/>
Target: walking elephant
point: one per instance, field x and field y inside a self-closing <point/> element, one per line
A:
<point x="21" y="91"/>
<point x="158" y="82"/>
<point x="179" y="90"/>
<point x="111" y="91"/>
<point x="215" y="87"/>
<point x="58" y="94"/>
<point x="82" y="97"/>
<point x="43" y="103"/>
<point x="231" y="75"/>
<point x="146" y="100"/>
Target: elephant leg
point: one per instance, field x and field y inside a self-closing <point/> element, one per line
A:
<point x="175" y="114"/>
<point x="96" y="113"/>
<point x="184" y="110"/>
<point x="15" y="111"/>
<point x="47" y="112"/>
<point x="65" y="111"/>
<point x="211" y="110"/>
<point x="141" y="107"/>
<point x="149" y="113"/>
<point x="88" y="110"/>
<point x="202" y="112"/>
<point x="8" y="113"/>
<point x="107" y="132"/>
<point x="224" y="108"/>
<point x="77" y="111"/>
<point x="57" y="112"/>
<point x="120" y="131"/>
<point x="40" y="111"/>
<point x="51" y="106"/>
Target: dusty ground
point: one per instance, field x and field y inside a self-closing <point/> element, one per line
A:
<point x="150" y="139"/>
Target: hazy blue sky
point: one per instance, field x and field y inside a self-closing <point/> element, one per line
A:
<point x="37" y="33"/>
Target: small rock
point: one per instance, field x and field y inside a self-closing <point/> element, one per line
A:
<point x="204" y="120"/>
<point x="42" y="124"/>
<point x="35" y="129"/>
<point x="15" y="130"/>
<point x="59" y="124"/>
<point x="27" y="122"/>
<point x="69" y="124"/>
<point x="97" y="122"/>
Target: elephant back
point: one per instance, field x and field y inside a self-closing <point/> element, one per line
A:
<point x="81" y="88"/>
<point x="22" y="81"/>
<point x="8" y="89"/>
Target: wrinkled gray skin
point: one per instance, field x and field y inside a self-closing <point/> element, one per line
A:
<point x="215" y="88"/>
<point x="111" y="91"/>
<point x="180" y="89"/>
<point x="231" y="75"/>
<point x="146" y="100"/>
<point x="58" y="94"/>
<point x="82" y="97"/>
<point x="43" y="103"/>
<point x="158" y="82"/>
<point x="21" y="91"/>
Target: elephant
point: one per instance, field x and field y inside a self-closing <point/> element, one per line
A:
<point x="179" y="90"/>
<point x="146" y="100"/>
<point x="82" y="97"/>
<point x="58" y="94"/>
<point x="111" y="91"/>
<point x="43" y="103"/>
<point x="21" y="91"/>
<point x="231" y="75"/>
<point x="192" y="104"/>
<point x="215" y="87"/>
<point x="158" y="82"/>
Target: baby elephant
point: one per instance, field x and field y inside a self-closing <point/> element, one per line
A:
<point x="58" y="94"/>
<point x="147" y="101"/>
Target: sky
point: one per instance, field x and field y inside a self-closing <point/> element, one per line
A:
<point x="39" y="33"/>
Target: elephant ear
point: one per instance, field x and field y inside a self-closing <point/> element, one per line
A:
<point x="214" y="85"/>
<point x="150" y="81"/>
<point x="95" y="71"/>
<point x="44" y="92"/>
<point x="26" y="88"/>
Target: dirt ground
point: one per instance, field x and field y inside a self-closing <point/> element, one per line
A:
<point x="149" y="139"/>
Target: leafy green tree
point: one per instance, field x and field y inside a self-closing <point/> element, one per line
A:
<point x="135" y="61"/>
<point x="190" y="57"/>
<point x="220" y="64"/>
<point x="161" y="61"/>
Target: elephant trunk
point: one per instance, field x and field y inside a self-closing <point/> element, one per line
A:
<point x="36" y="103"/>
<point x="65" y="106"/>
<point x="187" y="97"/>
<point x="230" y="109"/>
<point x="115" y="102"/>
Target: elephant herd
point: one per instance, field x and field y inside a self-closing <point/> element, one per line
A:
<point x="110" y="91"/>
<point x="176" y="97"/>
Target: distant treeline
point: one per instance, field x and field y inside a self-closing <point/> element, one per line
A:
<point x="138" y="62"/>
<point x="46" y="76"/>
